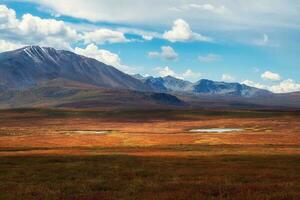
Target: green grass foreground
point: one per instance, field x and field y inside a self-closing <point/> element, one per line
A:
<point x="251" y="177"/>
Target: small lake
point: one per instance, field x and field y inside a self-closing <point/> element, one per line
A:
<point x="216" y="130"/>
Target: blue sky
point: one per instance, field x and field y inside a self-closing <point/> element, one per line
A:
<point x="256" y="43"/>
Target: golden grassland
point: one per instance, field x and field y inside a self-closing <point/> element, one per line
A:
<point x="57" y="154"/>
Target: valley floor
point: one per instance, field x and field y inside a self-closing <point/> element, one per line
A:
<point x="56" y="154"/>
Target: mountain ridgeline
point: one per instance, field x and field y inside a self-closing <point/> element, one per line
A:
<point x="204" y="87"/>
<point x="36" y="76"/>
<point x="32" y="65"/>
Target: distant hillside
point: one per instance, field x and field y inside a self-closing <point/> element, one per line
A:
<point x="65" y="94"/>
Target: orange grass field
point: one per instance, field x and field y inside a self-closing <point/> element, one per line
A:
<point x="152" y="141"/>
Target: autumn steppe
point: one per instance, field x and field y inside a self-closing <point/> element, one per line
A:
<point x="142" y="154"/>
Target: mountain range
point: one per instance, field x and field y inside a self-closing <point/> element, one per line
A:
<point x="203" y="86"/>
<point x="36" y="76"/>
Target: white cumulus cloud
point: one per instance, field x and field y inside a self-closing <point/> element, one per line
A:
<point x="35" y="30"/>
<point x="268" y="75"/>
<point x="181" y="32"/>
<point x="33" y="26"/>
<point x="32" y="29"/>
<point x="104" y="56"/>
<point x="189" y="74"/>
<point x="7" y="18"/>
<point x="167" y="53"/>
<point x="284" y="86"/>
<point x="287" y="85"/>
